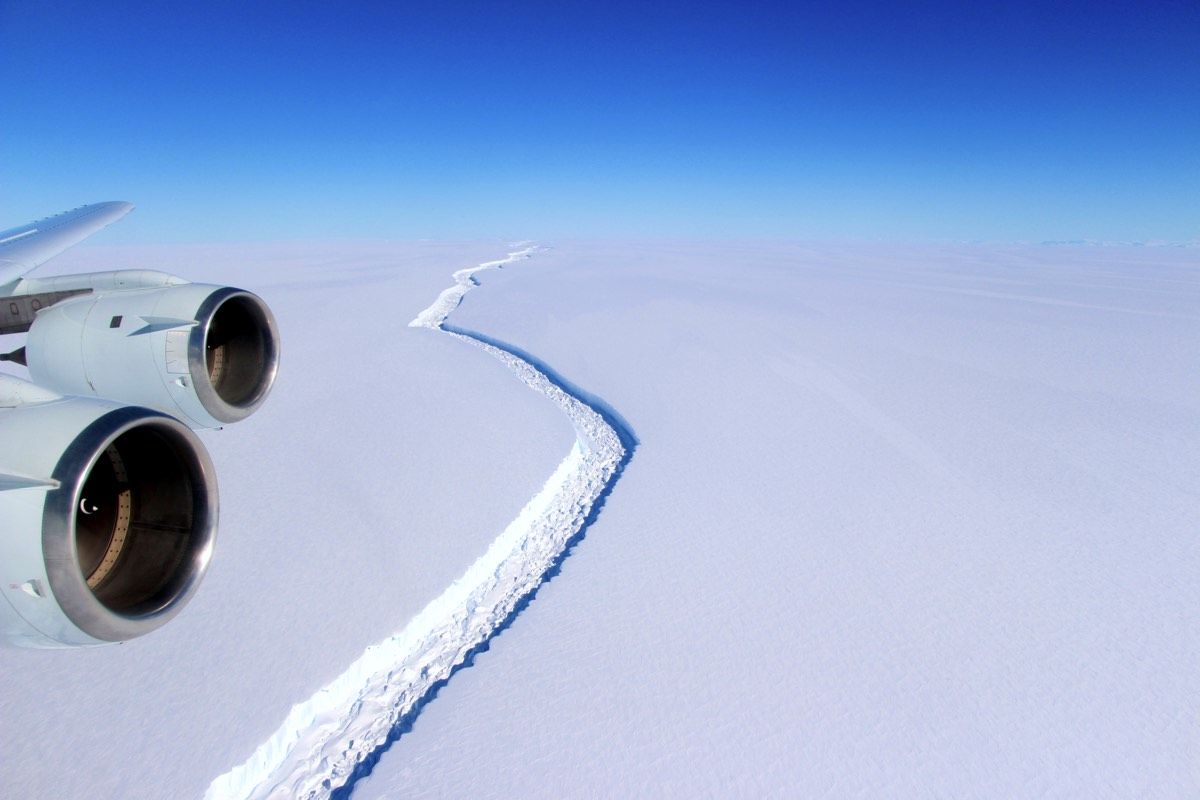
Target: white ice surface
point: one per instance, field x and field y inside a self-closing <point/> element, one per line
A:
<point x="902" y="522"/>
<point x="325" y="737"/>
<point x="385" y="462"/>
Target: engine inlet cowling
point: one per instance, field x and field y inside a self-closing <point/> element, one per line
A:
<point x="128" y="534"/>
<point x="206" y="354"/>
<point x="116" y="528"/>
<point x="233" y="354"/>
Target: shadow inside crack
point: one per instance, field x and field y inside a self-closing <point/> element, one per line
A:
<point x="609" y="414"/>
<point x="629" y="442"/>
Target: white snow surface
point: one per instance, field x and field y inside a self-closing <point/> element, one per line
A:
<point x="902" y="521"/>
<point x="324" y="738"/>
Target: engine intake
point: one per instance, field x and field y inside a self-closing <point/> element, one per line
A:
<point x="233" y="354"/>
<point x="208" y="354"/>
<point x="127" y="524"/>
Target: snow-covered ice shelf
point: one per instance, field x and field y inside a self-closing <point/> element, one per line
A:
<point x="916" y="521"/>
<point x="325" y="738"/>
<point x="910" y="522"/>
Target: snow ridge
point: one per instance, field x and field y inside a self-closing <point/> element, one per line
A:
<point x="321" y="742"/>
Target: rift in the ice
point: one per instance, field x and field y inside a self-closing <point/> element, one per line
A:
<point x="630" y="442"/>
<point x="332" y="740"/>
<point x="592" y="401"/>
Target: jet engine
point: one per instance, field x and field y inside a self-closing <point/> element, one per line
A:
<point x="108" y="501"/>
<point x="110" y="516"/>
<point x="208" y="354"/>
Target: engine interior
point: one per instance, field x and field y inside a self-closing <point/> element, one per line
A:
<point x="141" y="521"/>
<point x="239" y="350"/>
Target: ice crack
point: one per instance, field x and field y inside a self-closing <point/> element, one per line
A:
<point x="325" y="740"/>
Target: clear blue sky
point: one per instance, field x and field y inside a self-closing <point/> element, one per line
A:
<point x="882" y="120"/>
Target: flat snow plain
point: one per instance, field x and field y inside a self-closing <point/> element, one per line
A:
<point x="901" y="521"/>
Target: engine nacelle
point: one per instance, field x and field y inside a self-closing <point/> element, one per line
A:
<point x="109" y="519"/>
<point x="208" y="354"/>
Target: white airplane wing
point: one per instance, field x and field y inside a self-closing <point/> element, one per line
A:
<point x="26" y="246"/>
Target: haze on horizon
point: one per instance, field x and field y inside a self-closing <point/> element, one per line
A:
<point x="1012" y="121"/>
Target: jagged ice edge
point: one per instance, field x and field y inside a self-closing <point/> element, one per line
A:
<point x="322" y="739"/>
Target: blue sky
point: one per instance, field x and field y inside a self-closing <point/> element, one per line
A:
<point x="398" y="120"/>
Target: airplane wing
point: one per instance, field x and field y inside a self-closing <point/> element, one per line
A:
<point x="26" y="246"/>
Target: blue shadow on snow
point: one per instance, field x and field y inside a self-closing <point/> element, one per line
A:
<point x="630" y="442"/>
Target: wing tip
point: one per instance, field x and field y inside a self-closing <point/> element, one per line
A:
<point x="118" y="208"/>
